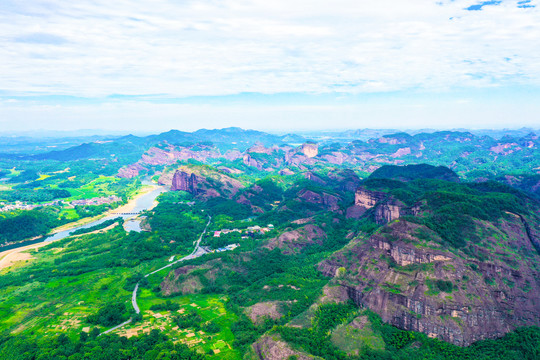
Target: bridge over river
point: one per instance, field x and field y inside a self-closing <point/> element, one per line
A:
<point x="126" y="213"/>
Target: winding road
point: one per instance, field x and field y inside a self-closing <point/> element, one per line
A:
<point x="198" y="251"/>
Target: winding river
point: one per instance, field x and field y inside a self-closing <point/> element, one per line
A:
<point x="128" y="212"/>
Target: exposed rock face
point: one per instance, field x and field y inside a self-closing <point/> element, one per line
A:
<point x="272" y="347"/>
<point x="260" y="149"/>
<point x="293" y="240"/>
<point x="297" y="159"/>
<point x="328" y="201"/>
<point x="201" y="181"/>
<point x="387" y="209"/>
<point x="184" y="182"/>
<point x="355" y="212"/>
<point x="346" y="180"/>
<point x="310" y="149"/>
<point x="532" y="234"/>
<point x="130" y="171"/>
<point x="179" y="281"/>
<point x="250" y="161"/>
<point x="286" y="172"/>
<point x="397" y="274"/>
<point x="404" y="255"/>
<point x="401" y="152"/>
<point x="229" y="170"/>
<point x="367" y="198"/>
<point x="336" y="158"/>
<point x="170" y="154"/>
<point x="167" y="154"/>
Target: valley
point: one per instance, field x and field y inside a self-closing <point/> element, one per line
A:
<point x="250" y="245"/>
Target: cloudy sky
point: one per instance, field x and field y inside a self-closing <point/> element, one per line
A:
<point x="153" y="65"/>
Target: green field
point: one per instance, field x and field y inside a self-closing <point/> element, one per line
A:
<point x="96" y="188"/>
<point x="60" y="305"/>
<point x="62" y="302"/>
<point x="209" y="307"/>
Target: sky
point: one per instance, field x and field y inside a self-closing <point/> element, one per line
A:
<point x="271" y="65"/>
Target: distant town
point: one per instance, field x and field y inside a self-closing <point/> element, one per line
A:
<point x="249" y="231"/>
<point x="19" y="205"/>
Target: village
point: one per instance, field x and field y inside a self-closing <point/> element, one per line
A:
<point x="250" y="231"/>
<point x="19" y="205"/>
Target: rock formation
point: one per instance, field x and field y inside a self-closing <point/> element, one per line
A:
<point x="310" y="149"/>
<point x="272" y="347"/>
<point x="368" y="198"/>
<point x="416" y="284"/>
<point x="260" y="149"/>
<point x="130" y="171"/>
<point x="286" y="172"/>
<point x="250" y="161"/>
<point x="386" y="208"/>
<point x="184" y="182"/>
<point x="328" y="201"/>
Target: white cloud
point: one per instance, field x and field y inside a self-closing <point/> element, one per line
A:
<point x="190" y="48"/>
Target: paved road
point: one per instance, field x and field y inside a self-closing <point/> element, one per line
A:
<point x="198" y="251"/>
<point x="116" y="327"/>
<point x="134" y="299"/>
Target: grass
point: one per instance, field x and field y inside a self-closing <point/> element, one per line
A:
<point x="95" y="188"/>
<point x="42" y="308"/>
<point x="60" y="303"/>
<point x="393" y="288"/>
<point x="209" y="307"/>
<point x="69" y="214"/>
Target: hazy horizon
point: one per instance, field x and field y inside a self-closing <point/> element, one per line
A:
<point x="44" y="133"/>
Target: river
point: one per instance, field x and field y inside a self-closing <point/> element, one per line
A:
<point x="143" y="202"/>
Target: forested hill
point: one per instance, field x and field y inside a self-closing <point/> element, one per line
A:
<point x="458" y="150"/>
<point x="128" y="148"/>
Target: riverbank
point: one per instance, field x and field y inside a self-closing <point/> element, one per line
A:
<point x="126" y="208"/>
<point x="10" y="257"/>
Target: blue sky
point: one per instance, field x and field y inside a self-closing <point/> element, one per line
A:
<point x="272" y="65"/>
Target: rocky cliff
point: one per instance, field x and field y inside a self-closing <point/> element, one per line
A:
<point x="201" y="181"/>
<point x="406" y="276"/>
<point x="386" y="208"/>
<point x="167" y="154"/>
<point x="183" y="181"/>
<point x="250" y="161"/>
<point x="367" y="199"/>
<point x="310" y="149"/>
<point x="272" y="347"/>
<point x="331" y="202"/>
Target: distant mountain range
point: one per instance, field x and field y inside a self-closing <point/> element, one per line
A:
<point x="474" y="156"/>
